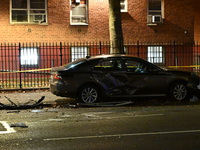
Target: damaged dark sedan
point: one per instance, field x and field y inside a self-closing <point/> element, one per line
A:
<point x="94" y="78"/>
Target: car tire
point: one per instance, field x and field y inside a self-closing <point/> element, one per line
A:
<point x="179" y="91"/>
<point x="89" y="94"/>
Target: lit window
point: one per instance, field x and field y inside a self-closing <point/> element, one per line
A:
<point x="78" y="52"/>
<point x="29" y="57"/>
<point x="124" y="6"/>
<point x="155" y="54"/>
<point x="28" y="11"/>
<point x="79" y="12"/>
<point x="155" y="11"/>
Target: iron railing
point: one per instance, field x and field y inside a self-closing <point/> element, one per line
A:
<point x="28" y="65"/>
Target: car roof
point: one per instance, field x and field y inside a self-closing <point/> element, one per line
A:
<point x="109" y="56"/>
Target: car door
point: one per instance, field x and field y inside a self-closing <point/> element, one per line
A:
<point x="145" y="79"/>
<point x="111" y="75"/>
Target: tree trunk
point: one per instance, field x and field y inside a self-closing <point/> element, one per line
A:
<point x="115" y="28"/>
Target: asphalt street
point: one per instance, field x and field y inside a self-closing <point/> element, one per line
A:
<point x="137" y="126"/>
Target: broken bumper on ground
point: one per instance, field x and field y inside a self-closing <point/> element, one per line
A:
<point x="27" y="105"/>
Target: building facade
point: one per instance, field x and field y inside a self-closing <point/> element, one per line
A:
<point x="87" y="20"/>
<point x="41" y="34"/>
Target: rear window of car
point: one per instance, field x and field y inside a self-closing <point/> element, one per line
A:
<point x="75" y="63"/>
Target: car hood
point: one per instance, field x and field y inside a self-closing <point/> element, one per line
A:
<point x="177" y="71"/>
<point x="189" y="75"/>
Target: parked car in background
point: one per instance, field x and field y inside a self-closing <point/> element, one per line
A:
<point x="91" y="79"/>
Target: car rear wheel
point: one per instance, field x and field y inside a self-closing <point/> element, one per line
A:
<point x="179" y="91"/>
<point x="89" y="94"/>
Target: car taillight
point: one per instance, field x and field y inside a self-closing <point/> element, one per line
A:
<point x="57" y="77"/>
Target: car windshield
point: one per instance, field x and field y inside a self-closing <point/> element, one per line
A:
<point x="75" y="63"/>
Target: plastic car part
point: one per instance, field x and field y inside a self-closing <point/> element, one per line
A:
<point x="28" y="105"/>
<point x="179" y="91"/>
<point x="89" y="94"/>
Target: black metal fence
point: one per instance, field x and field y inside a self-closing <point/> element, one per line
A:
<point x="28" y="65"/>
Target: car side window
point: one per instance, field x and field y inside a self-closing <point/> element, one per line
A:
<point x="108" y="65"/>
<point x="135" y="66"/>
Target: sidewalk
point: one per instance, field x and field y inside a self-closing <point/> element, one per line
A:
<point x="25" y="96"/>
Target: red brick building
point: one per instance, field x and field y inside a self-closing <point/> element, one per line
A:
<point x="45" y="34"/>
<point x="87" y="20"/>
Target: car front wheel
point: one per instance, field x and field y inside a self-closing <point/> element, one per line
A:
<point x="89" y="94"/>
<point x="179" y="91"/>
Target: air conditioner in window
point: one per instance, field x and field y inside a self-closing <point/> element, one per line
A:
<point x="157" y="19"/>
<point x="38" y="18"/>
<point x="79" y="14"/>
<point x="154" y="19"/>
<point x="78" y="19"/>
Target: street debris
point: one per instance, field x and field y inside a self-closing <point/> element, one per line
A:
<point x="37" y="111"/>
<point x="194" y="99"/>
<point x="44" y="110"/>
<point x="22" y="125"/>
<point x="106" y="104"/>
<point x="28" y="105"/>
<point x="56" y="120"/>
<point x="15" y="111"/>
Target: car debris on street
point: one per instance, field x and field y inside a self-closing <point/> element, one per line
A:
<point x="28" y="105"/>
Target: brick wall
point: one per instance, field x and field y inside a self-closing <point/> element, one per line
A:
<point x="178" y="18"/>
<point x="197" y="21"/>
<point x="178" y="23"/>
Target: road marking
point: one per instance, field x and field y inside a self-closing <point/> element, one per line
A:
<point x="122" y="135"/>
<point x="128" y="116"/>
<point x="137" y="116"/>
<point x="134" y="116"/>
<point x="8" y="128"/>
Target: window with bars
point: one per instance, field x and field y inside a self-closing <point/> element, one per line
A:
<point x="78" y="52"/>
<point x="29" y="57"/>
<point x="155" y="54"/>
